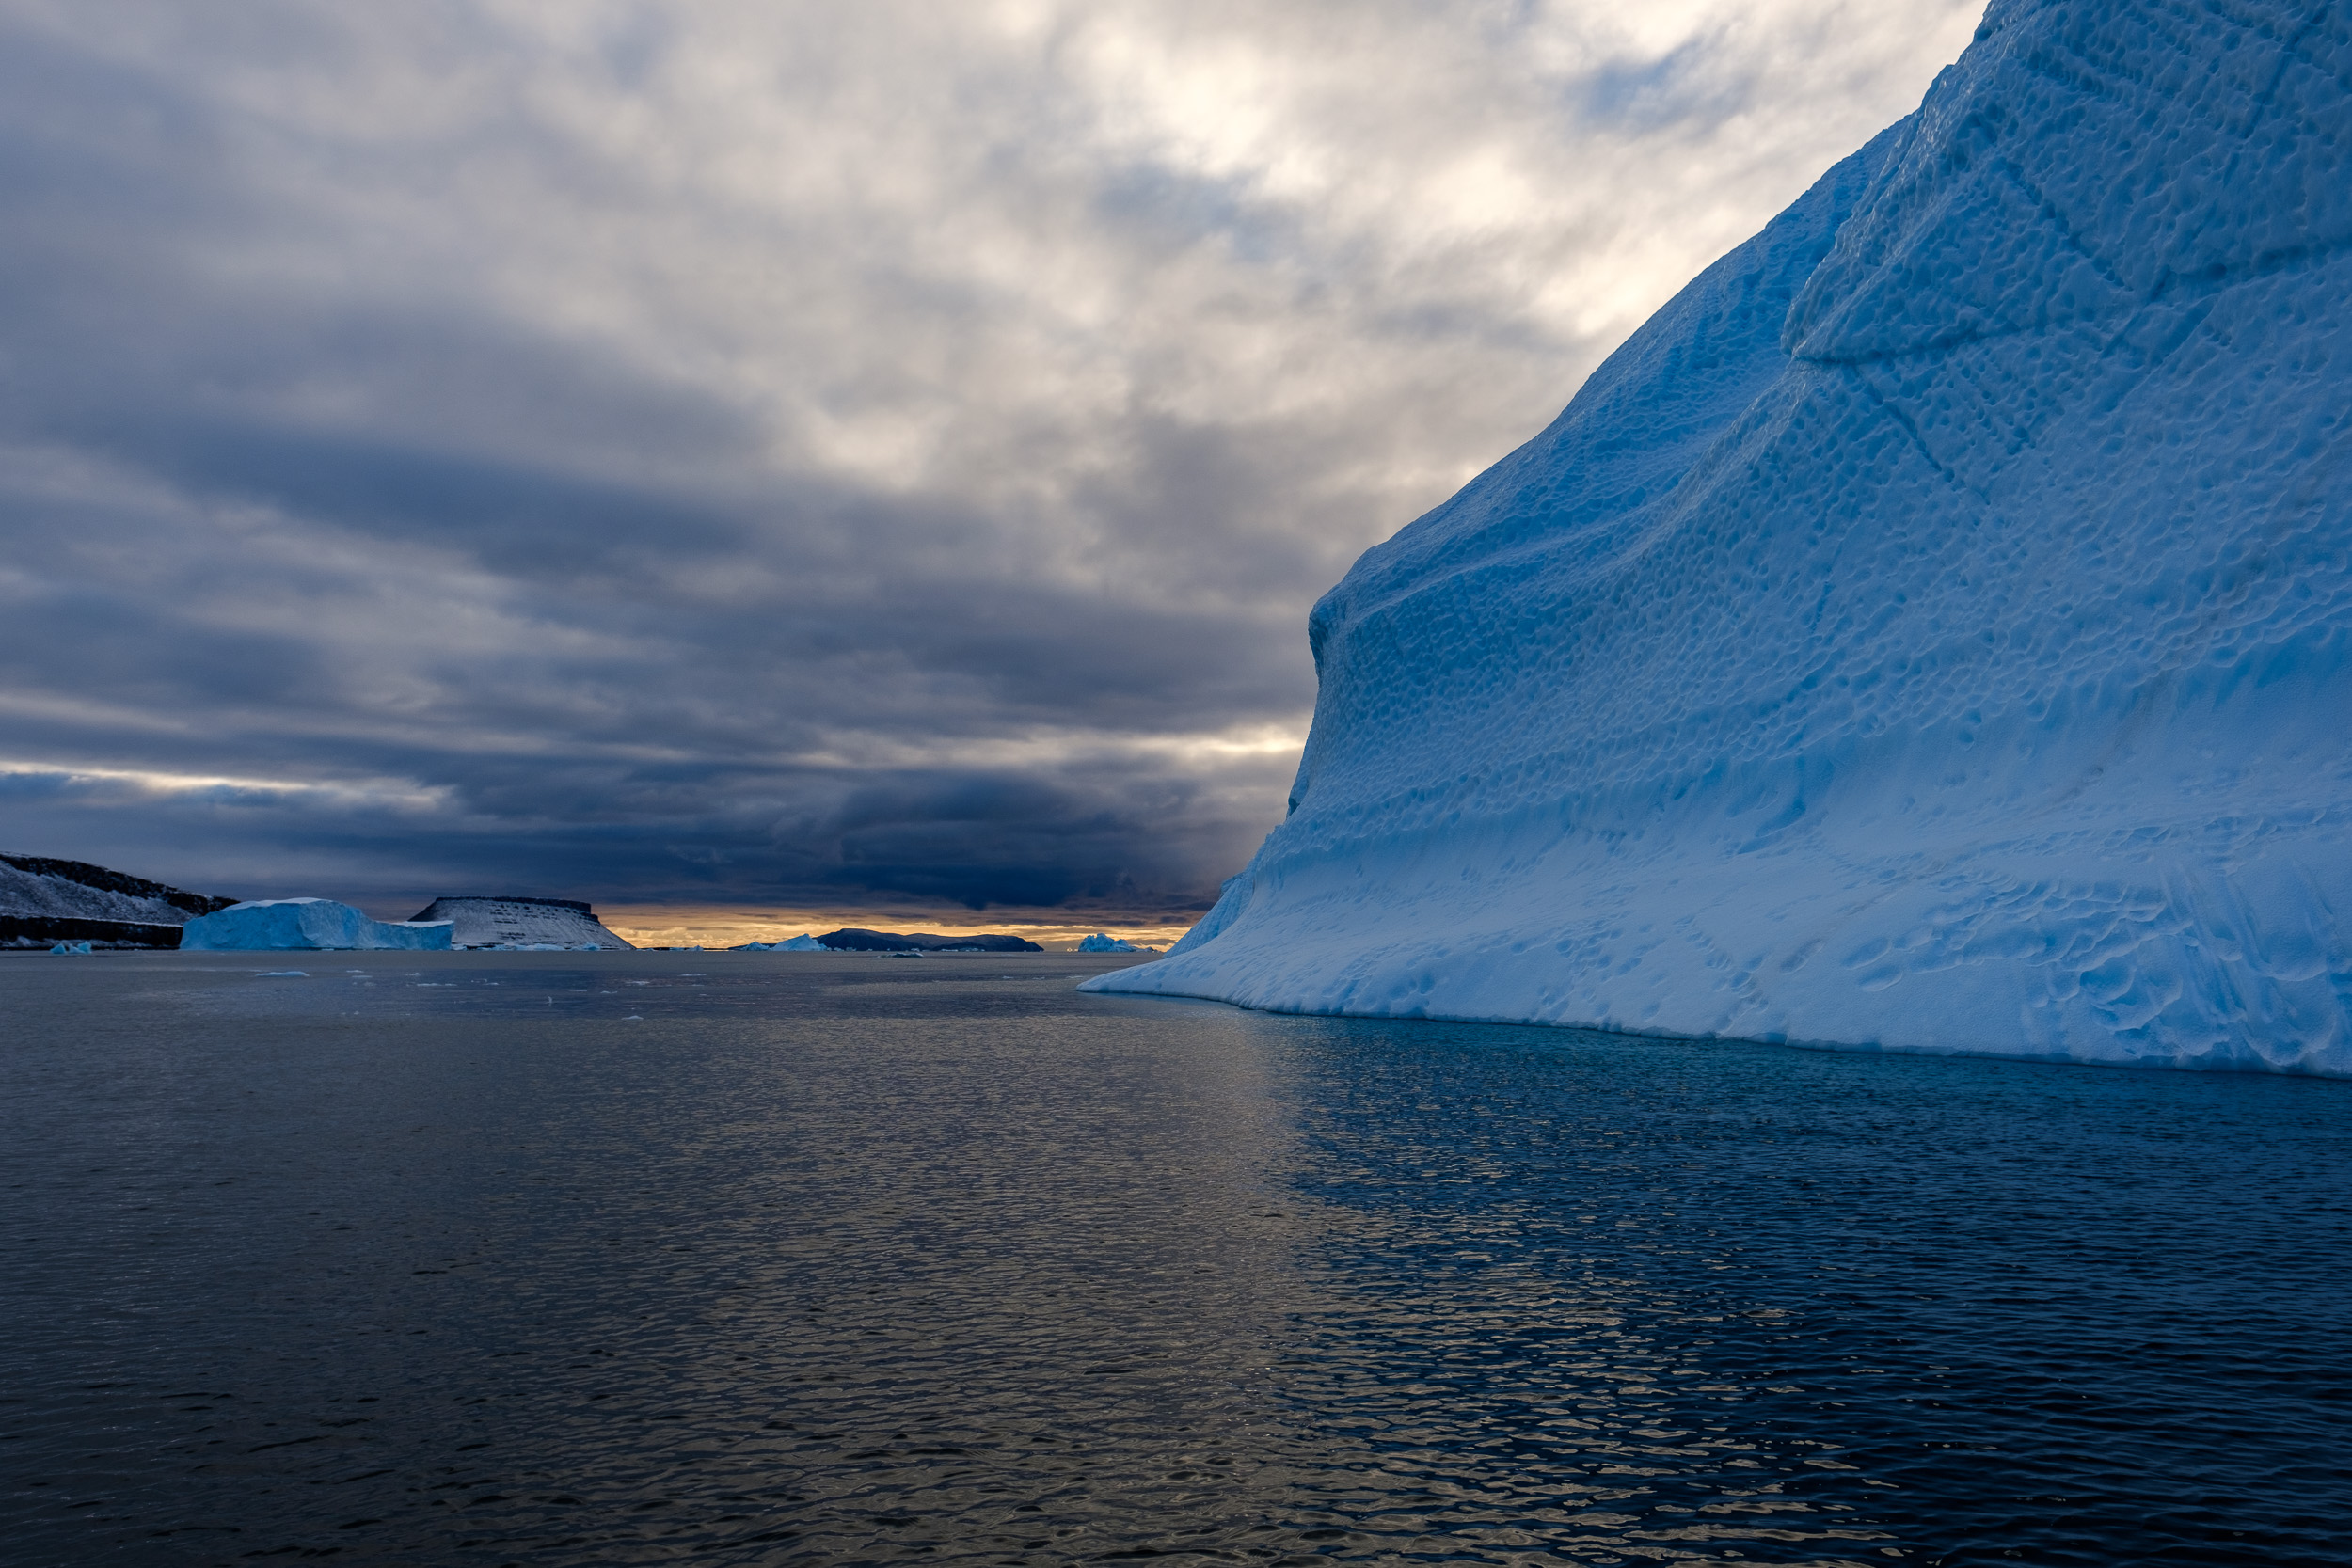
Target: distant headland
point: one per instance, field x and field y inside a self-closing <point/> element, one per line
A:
<point x="855" y="939"/>
<point x="44" y="901"/>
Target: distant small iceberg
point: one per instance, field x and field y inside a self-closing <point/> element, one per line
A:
<point x="802" y="944"/>
<point x="279" y="925"/>
<point x="1103" y="942"/>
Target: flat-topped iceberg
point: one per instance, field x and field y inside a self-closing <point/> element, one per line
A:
<point x="274" y="925"/>
<point x="1931" y="631"/>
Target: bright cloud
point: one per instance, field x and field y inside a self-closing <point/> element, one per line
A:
<point x="799" y="451"/>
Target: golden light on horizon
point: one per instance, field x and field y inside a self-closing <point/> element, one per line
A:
<point x="732" y="924"/>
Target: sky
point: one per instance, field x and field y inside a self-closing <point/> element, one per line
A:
<point x="843" y="457"/>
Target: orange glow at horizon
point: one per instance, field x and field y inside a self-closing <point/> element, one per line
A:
<point x="732" y="925"/>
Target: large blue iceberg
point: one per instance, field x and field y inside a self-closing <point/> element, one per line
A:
<point x="279" y="925"/>
<point x="1932" y="630"/>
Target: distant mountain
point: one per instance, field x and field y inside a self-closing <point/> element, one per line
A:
<point x="855" y="940"/>
<point x="44" y="901"/>
<point x="512" y="922"/>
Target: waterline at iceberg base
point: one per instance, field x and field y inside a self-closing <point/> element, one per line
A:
<point x="1932" y="630"/>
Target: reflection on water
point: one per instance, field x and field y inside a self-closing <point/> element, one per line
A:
<point x="756" y="1258"/>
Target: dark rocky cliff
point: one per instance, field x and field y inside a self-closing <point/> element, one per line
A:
<point x="44" y="900"/>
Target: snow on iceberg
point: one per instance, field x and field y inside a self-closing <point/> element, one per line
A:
<point x="1932" y="630"/>
<point x="271" y="924"/>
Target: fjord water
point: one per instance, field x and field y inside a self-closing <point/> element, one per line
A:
<point x="797" y="1258"/>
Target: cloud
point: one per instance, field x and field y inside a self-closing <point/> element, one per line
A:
<point x="662" y="450"/>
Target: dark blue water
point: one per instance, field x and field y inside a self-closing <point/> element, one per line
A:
<point x="453" y="1260"/>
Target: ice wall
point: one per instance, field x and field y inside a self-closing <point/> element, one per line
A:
<point x="279" y="925"/>
<point x="1932" y="630"/>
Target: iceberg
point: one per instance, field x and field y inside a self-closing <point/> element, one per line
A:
<point x="1931" y="631"/>
<point x="1103" y="942"/>
<point x="272" y="925"/>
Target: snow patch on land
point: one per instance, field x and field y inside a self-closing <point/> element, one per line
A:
<point x="527" y="925"/>
<point x="35" y="887"/>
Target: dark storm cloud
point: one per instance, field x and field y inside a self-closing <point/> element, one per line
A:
<point x="783" y="450"/>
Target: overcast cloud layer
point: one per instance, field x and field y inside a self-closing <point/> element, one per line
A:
<point x="795" y="450"/>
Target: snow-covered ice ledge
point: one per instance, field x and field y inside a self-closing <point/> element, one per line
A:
<point x="1931" y="631"/>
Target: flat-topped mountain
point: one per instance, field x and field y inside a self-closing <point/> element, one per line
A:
<point x="517" y="922"/>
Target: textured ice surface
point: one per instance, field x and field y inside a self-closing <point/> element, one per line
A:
<point x="275" y="925"/>
<point x="1930" y="630"/>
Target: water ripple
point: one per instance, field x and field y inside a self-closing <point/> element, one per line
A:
<point x="829" y="1261"/>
